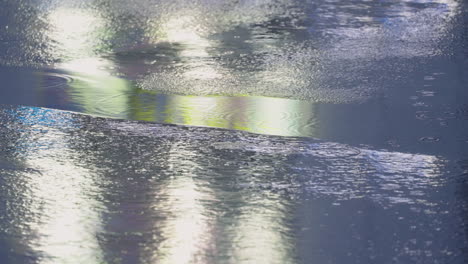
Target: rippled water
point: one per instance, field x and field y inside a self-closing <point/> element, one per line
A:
<point x="83" y="189"/>
<point x="233" y="131"/>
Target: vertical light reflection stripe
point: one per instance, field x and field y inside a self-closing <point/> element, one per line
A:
<point x="66" y="218"/>
<point x="187" y="229"/>
<point x="77" y="31"/>
<point x="260" y="232"/>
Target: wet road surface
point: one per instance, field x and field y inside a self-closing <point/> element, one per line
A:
<point x="233" y="132"/>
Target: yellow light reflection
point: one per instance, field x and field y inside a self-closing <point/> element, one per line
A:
<point x="274" y="116"/>
<point x="95" y="89"/>
<point x="90" y="66"/>
<point x="282" y="116"/>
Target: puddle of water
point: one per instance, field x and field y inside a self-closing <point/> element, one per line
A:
<point x="221" y="64"/>
<point x="115" y="97"/>
<point x="99" y="190"/>
<point x="382" y="84"/>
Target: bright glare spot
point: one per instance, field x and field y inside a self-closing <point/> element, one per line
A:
<point x="259" y="237"/>
<point x="91" y="66"/>
<point x="182" y="30"/>
<point x="74" y="29"/>
<point x="188" y="228"/>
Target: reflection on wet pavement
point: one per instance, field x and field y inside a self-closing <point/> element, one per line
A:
<point x="294" y="131"/>
<point x="118" y="98"/>
<point x="324" y="51"/>
<point x="94" y="190"/>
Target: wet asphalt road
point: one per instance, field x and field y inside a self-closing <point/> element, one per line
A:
<point x="233" y="132"/>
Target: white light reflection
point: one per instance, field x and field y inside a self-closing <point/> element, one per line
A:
<point x="95" y="89"/>
<point x="79" y="33"/>
<point x="277" y="116"/>
<point x="260" y="235"/>
<point x="66" y="220"/>
<point x="187" y="31"/>
<point x="184" y="30"/>
<point x="76" y="31"/>
<point x="187" y="230"/>
<point x="88" y="66"/>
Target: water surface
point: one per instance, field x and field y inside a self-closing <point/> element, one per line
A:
<point x="233" y="132"/>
